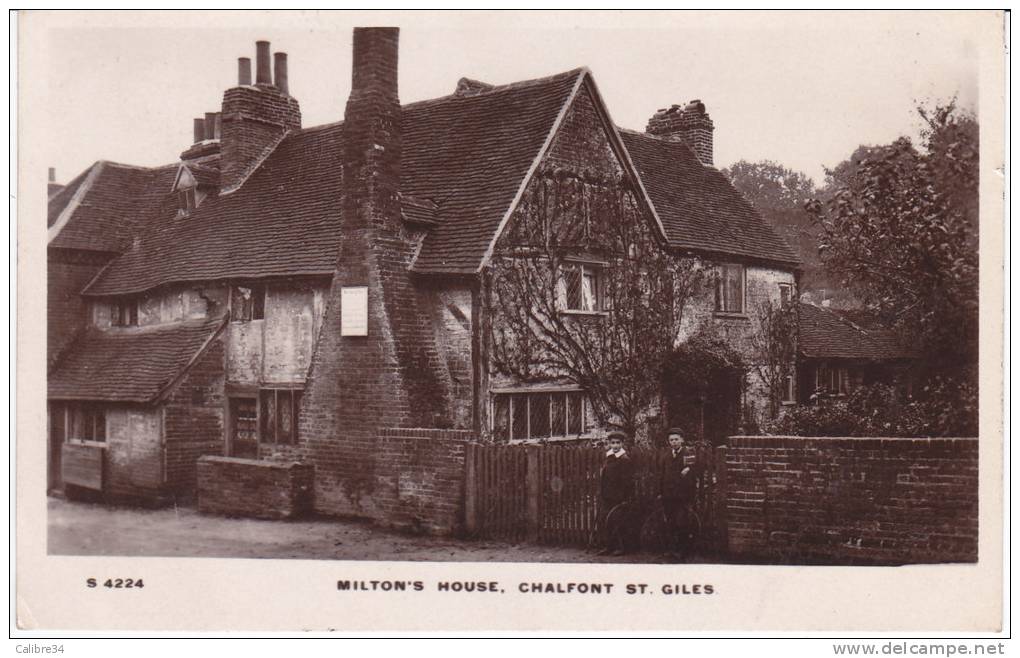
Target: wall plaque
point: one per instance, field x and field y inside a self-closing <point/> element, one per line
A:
<point x="354" y="311"/>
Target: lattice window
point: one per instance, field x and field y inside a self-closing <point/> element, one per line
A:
<point x="538" y="415"/>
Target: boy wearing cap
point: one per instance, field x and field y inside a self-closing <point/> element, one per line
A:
<point x="616" y="486"/>
<point x="677" y="482"/>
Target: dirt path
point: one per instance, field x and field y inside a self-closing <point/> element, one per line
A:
<point x="90" y="529"/>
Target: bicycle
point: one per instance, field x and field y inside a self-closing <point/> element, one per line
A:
<point x="670" y="531"/>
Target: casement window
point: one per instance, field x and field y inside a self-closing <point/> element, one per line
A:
<point x="538" y="415"/>
<point x="832" y="380"/>
<point x="186" y="201"/>
<point x="788" y="390"/>
<point x="247" y="303"/>
<point x="278" y="415"/>
<point x="86" y="422"/>
<point x="124" y="313"/>
<point x="785" y="293"/>
<point x="729" y="289"/>
<point x="581" y="287"/>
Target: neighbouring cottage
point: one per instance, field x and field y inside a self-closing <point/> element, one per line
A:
<point x="292" y="293"/>
<point x="837" y="354"/>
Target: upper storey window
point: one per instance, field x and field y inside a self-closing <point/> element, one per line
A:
<point x="186" y="201"/>
<point x="581" y="287"/>
<point x="729" y="289"/>
<point x="124" y="313"/>
<point x="247" y="303"/>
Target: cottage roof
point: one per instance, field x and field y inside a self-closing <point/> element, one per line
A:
<point x="130" y="366"/>
<point x="698" y="206"/>
<point x="107" y="205"/>
<point x="825" y="333"/>
<point x="465" y="159"/>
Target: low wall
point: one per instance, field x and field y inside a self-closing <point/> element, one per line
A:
<point x="248" y="487"/>
<point x="852" y="500"/>
<point x="419" y="478"/>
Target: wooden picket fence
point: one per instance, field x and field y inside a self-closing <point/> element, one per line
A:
<point x="550" y="493"/>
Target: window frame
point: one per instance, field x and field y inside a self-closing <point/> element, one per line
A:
<point x="257" y="308"/>
<point x="121" y="308"/>
<point x="583" y="269"/>
<point x="187" y="200"/>
<point x="91" y="411"/>
<point x="513" y="396"/>
<point x="789" y="391"/>
<point x="294" y="396"/>
<point x="787" y="289"/>
<point x="722" y="271"/>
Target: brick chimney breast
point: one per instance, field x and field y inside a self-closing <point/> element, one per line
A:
<point x="253" y="120"/>
<point x="689" y="123"/>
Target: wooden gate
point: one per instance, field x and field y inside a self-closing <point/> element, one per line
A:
<point x="549" y="493"/>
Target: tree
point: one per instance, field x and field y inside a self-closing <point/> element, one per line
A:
<point x="780" y="194"/>
<point x="634" y="299"/>
<point x="901" y="232"/>
<point x="770" y="186"/>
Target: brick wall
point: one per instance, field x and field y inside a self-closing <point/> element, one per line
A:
<point x="247" y="487"/>
<point x="419" y="477"/>
<point x="852" y="500"/>
<point x="68" y="273"/>
<point x="253" y="120"/>
<point x="194" y="418"/>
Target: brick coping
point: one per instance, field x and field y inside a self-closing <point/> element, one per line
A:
<point x="266" y="463"/>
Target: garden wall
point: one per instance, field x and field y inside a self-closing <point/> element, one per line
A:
<point x="419" y="476"/>
<point x="852" y="500"/>
<point x="248" y="487"/>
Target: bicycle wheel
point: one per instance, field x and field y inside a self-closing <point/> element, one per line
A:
<point x="655" y="532"/>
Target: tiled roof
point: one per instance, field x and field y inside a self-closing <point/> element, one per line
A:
<point x="113" y="202"/>
<point x="698" y="206"/>
<point x="205" y="174"/>
<point x="824" y="333"/>
<point x="283" y="221"/>
<point x="469" y="154"/>
<point x="464" y="157"/>
<point x="59" y="201"/>
<point x="129" y="365"/>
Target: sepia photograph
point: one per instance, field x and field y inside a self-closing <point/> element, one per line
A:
<point x="652" y="292"/>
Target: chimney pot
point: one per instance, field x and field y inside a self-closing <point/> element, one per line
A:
<point x="243" y="71"/>
<point x="199" y="130"/>
<point x="53" y="175"/>
<point x="210" y="125"/>
<point x="262" y="74"/>
<point x="216" y="125"/>
<point x="280" y="72"/>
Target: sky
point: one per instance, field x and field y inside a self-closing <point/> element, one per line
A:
<point x="801" y="88"/>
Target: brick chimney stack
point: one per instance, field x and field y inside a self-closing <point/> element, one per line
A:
<point x="690" y="123"/>
<point x="391" y="375"/>
<point x="372" y="144"/>
<point x="254" y="118"/>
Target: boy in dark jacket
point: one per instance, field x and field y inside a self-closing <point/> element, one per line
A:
<point x="677" y="485"/>
<point x="616" y="486"/>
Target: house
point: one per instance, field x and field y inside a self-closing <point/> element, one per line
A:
<point x="284" y="292"/>
<point x="837" y="354"/>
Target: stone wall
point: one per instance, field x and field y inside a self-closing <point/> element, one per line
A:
<point x="420" y="479"/>
<point x="260" y="489"/>
<point x="852" y="500"/>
